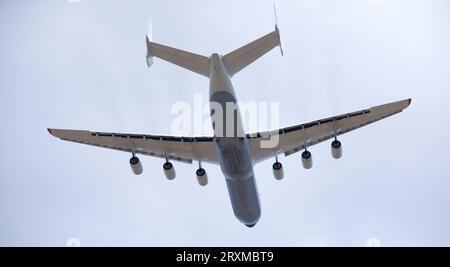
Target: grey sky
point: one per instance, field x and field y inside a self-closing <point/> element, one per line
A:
<point x="82" y="66"/>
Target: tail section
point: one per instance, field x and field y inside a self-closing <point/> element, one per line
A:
<point x="234" y="61"/>
<point x="244" y="56"/>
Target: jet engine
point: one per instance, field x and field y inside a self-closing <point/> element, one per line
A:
<point x="278" y="172"/>
<point x="336" y="149"/>
<point x="202" y="177"/>
<point x="169" y="170"/>
<point x="307" y="159"/>
<point x="136" y="165"/>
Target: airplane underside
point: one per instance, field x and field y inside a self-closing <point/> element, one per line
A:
<point x="236" y="154"/>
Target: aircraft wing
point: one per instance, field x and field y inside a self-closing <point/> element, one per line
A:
<point x="184" y="149"/>
<point x="294" y="138"/>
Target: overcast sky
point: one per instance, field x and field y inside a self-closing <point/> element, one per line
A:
<point x="81" y="65"/>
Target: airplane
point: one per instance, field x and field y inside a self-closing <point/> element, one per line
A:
<point x="235" y="153"/>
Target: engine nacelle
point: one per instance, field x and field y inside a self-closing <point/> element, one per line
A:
<point x="169" y="171"/>
<point x="278" y="172"/>
<point x="202" y="177"/>
<point x="136" y="165"/>
<point x="307" y="159"/>
<point x="336" y="149"/>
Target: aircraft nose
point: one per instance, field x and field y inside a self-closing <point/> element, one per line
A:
<point x="250" y="225"/>
<point x="251" y="222"/>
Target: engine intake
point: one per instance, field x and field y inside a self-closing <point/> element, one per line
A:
<point x="169" y="170"/>
<point x="278" y="172"/>
<point x="336" y="149"/>
<point x="307" y="159"/>
<point x="202" y="177"/>
<point x="136" y="165"/>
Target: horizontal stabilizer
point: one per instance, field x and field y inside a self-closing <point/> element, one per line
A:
<point x="193" y="62"/>
<point x="244" y="56"/>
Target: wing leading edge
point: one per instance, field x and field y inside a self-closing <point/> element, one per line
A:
<point x="295" y="138"/>
<point x="184" y="149"/>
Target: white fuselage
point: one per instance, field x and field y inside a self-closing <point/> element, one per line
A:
<point x="232" y="145"/>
